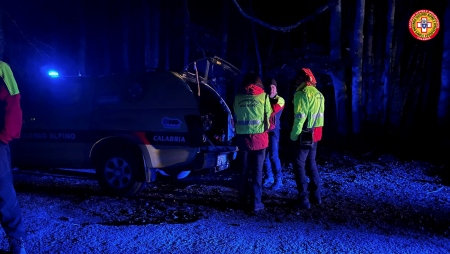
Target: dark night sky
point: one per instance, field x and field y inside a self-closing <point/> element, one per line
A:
<point x="52" y="22"/>
<point x="48" y="31"/>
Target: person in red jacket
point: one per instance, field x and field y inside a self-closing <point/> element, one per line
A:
<point x="10" y="127"/>
<point x="252" y="111"/>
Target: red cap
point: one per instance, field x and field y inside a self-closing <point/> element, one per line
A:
<point x="312" y="79"/>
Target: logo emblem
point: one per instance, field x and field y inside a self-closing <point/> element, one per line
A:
<point x="171" y="123"/>
<point x="424" y="25"/>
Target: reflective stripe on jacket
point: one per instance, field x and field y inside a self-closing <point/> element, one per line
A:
<point x="252" y="113"/>
<point x="307" y="102"/>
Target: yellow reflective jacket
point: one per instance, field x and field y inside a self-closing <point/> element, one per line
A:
<point x="8" y="78"/>
<point x="309" y="103"/>
<point x="252" y="112"/>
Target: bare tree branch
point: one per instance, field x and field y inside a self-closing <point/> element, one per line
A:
<point x="187" y="9"/>
<point x="40" y="52"/>
<point x="281" y="28"/>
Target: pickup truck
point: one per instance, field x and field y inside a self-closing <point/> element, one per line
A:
<point x="129" y="127"/>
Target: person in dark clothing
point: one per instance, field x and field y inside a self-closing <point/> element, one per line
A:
<point x="11" y="124"/>
<point x="252" y="111"/>
<point x="309" y="108"/>
<point x="272" y="163"/>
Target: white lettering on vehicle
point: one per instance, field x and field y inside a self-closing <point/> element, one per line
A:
<point x="168" y="139"/>
<point x="62" y="135"/>
<point x="34" y="135"/>
<point x="51" y="135"/>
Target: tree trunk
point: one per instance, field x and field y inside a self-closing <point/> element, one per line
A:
<point x="105" y="38"/>
<point x="245" y="63"/>
<point x="166" y="52"/>
<point x="125" y="36"/>
<point x="165" y="37"/>
<point x="82" y="48"/>
<point x="337" y="70"/>
<point x="444" y="96"/>
<point x="387" y="74"/>
<point x="224" y="28"/>
<point x="147" y="36"/>
<point x="367" y="100"/>
<point x="413" y="86"/>
<point x="357" y="56"/>
<point x="420" y="96"/>
<point x="417" y="94"/>
<point x="152" y="25"/>
<point x="269" y="53"/>
<point x="2" y="35"/>
<point x="187" y="45"/>
<point x="256" y="44"/>
<point x="397" y="49"/>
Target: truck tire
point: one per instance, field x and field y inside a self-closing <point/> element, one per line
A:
<point x="118" y="173"/>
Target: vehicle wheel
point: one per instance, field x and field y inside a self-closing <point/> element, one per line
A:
<point x="118" y="173"/>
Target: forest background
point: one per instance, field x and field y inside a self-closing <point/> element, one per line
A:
<point x="385" y="90"/>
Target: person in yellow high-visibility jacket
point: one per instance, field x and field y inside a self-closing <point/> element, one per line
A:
<point x="252" y="112"/>
<point x="309" y="108"/>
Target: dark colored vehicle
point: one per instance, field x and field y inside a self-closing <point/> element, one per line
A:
<point x="129" y="126"/>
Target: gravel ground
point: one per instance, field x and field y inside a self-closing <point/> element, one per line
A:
<point x="381" y="205"/>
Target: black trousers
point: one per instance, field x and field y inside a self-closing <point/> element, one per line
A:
<point x="251" y="177"/>
<point x="10" y="212"/>
<point x="305" y="167"/>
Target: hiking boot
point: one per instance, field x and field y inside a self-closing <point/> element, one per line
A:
<point x="268" y="182"/>
<point x="258" y="207"/>
<point x="277" y="184"/>
<point x="243" y="201"/>
<point x="303" y="203"/>
<point x="315" y="201"/>
<point x="16" y="246"/>
<point x="315" y="198"/>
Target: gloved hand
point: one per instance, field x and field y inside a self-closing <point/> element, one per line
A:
<point x="294" y="137"/>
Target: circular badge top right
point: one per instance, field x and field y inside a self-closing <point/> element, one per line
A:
<point x="424" y="25"/>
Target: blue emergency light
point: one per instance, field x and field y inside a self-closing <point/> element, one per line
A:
<point x="53" y="74"/>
